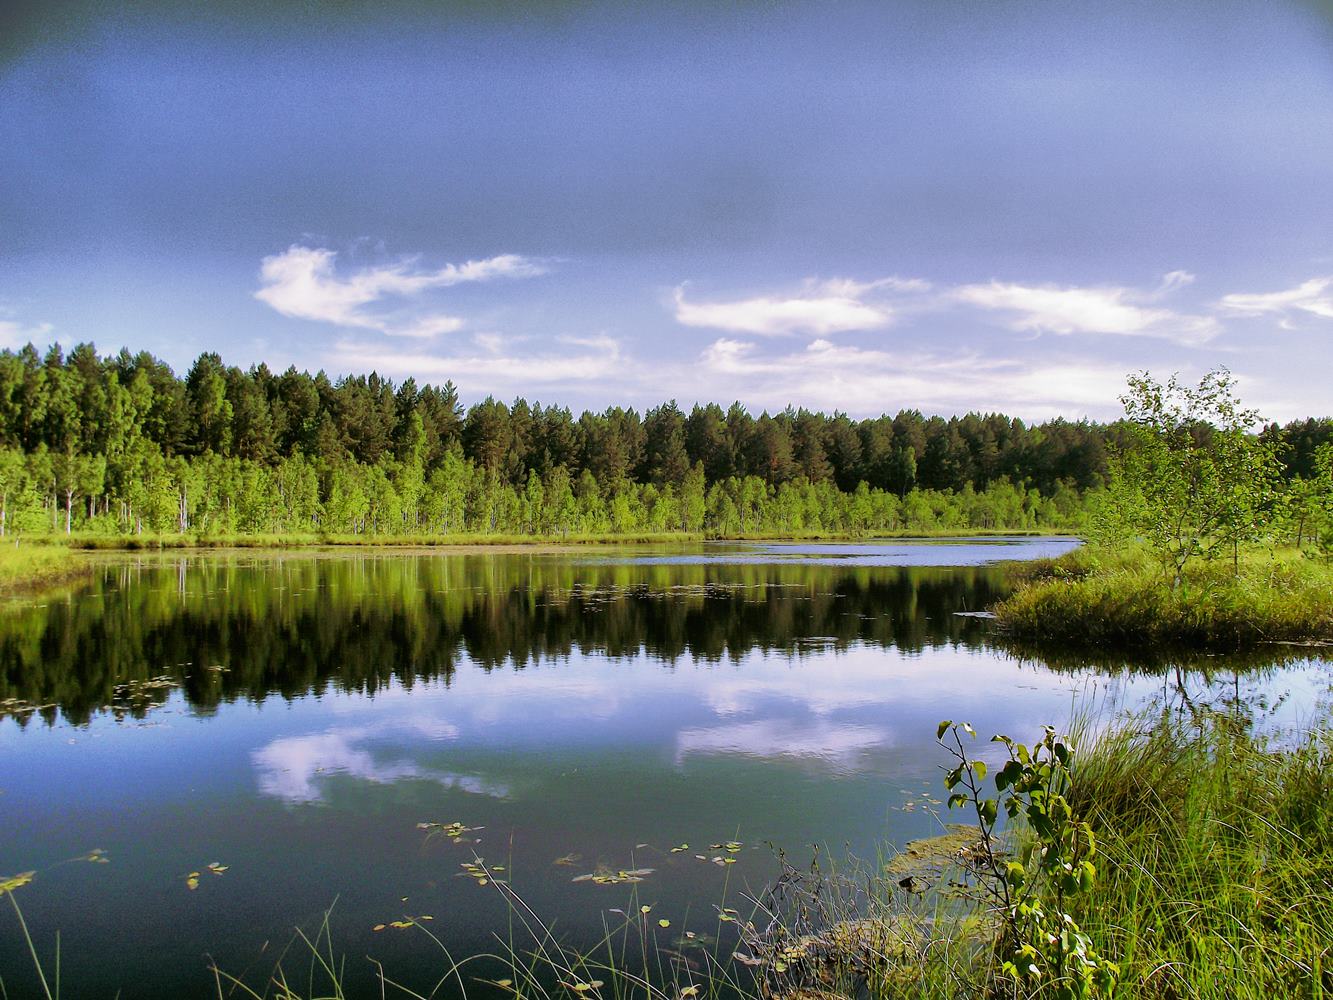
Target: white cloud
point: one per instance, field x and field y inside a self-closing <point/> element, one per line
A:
<point x="1171" y="281"/>
<point x="861" y="380"/>
<point x="496" y="368"/>
<point x="302" y="282"/>
<point x="1314" y="296"/>
<point x="820" y="308"/>
<point x="842" y="305"/>
<point x="1091" y="310"/>
<point x="14" y="335"/>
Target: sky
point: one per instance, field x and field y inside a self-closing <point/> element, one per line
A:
<point x="864" y="207"/>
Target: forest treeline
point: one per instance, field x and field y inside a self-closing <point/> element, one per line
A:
<point x="121" y="444"/>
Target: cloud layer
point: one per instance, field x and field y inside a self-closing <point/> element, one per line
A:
<point x="843" y="305"/>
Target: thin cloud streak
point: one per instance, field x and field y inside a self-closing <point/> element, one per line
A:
<point x="1314" y="297"/>
<point x="872" y="381"/>
<point x="1106" y="310"/>
<point x="836" y="307"/>
<point x="497" y="365"/>
<point x="302" y="282"/>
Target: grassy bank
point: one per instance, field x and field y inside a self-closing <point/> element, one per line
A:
<point x="25" y="566"/>
<point x="1094" y="597"/>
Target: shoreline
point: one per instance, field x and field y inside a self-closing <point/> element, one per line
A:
<point x="1096" y="599"/>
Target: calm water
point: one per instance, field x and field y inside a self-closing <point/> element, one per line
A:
<point x="295" y="717"/>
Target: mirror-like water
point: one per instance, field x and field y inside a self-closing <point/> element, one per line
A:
<point x="294" y="718"/>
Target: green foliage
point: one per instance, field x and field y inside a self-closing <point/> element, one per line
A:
<point x="1193" y="480"/>
<point x="1037" y="892"/>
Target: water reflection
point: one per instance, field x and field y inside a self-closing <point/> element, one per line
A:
<point x="836" y="747"/>
<point x="226" y="628"/>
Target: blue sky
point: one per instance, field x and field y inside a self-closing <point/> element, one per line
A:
<point x="856" y="206"/>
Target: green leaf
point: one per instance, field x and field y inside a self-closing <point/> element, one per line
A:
<point x="942" y="728"/>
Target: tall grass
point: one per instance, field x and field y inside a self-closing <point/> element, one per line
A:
<point x="27" y="566"/>
<point x="1217" y="847"/>
<point x="1097" y="597"/>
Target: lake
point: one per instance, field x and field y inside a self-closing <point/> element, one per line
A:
<point x="295" y="718"/>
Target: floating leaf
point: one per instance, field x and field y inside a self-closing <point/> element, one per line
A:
<point x="689" y="991"/>
<point x="607" y="877"/>
<point x="400" y="924"/>
<point x="378" y="927"/>
<point x="682" y="847"/>
<point x="192" y="882"/>
<point x="504" y="983"/>
<point x="453" y="830"/>
<point x="216" y="868"/>
<point x="645" y="908"/>
<point x="664" y="923"/>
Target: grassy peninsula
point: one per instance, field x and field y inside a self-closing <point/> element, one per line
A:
<point x="1099" y="596"/>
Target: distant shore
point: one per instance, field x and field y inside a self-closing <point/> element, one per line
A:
<point x="29" y="563"/>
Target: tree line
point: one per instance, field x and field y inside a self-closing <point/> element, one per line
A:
<point x="122" y="444"/>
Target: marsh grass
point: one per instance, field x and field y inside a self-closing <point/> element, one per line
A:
<point x="1094" y="597"/>
<point x="1217" y="857"/>
<point x="25" y="565"/>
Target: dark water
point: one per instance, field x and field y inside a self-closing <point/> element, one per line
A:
<point x="295" y="717"/>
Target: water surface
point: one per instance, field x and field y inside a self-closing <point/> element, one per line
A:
<point x="294" y="717"/>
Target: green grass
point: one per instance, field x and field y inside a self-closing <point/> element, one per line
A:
<point x="1217" y="859"/>
<point x="27" y="566"/>
<point x="1095" y="597"/>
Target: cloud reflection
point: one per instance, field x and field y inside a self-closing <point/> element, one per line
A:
<point x="292" y="768"/>
<point x="835" y="746"/>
